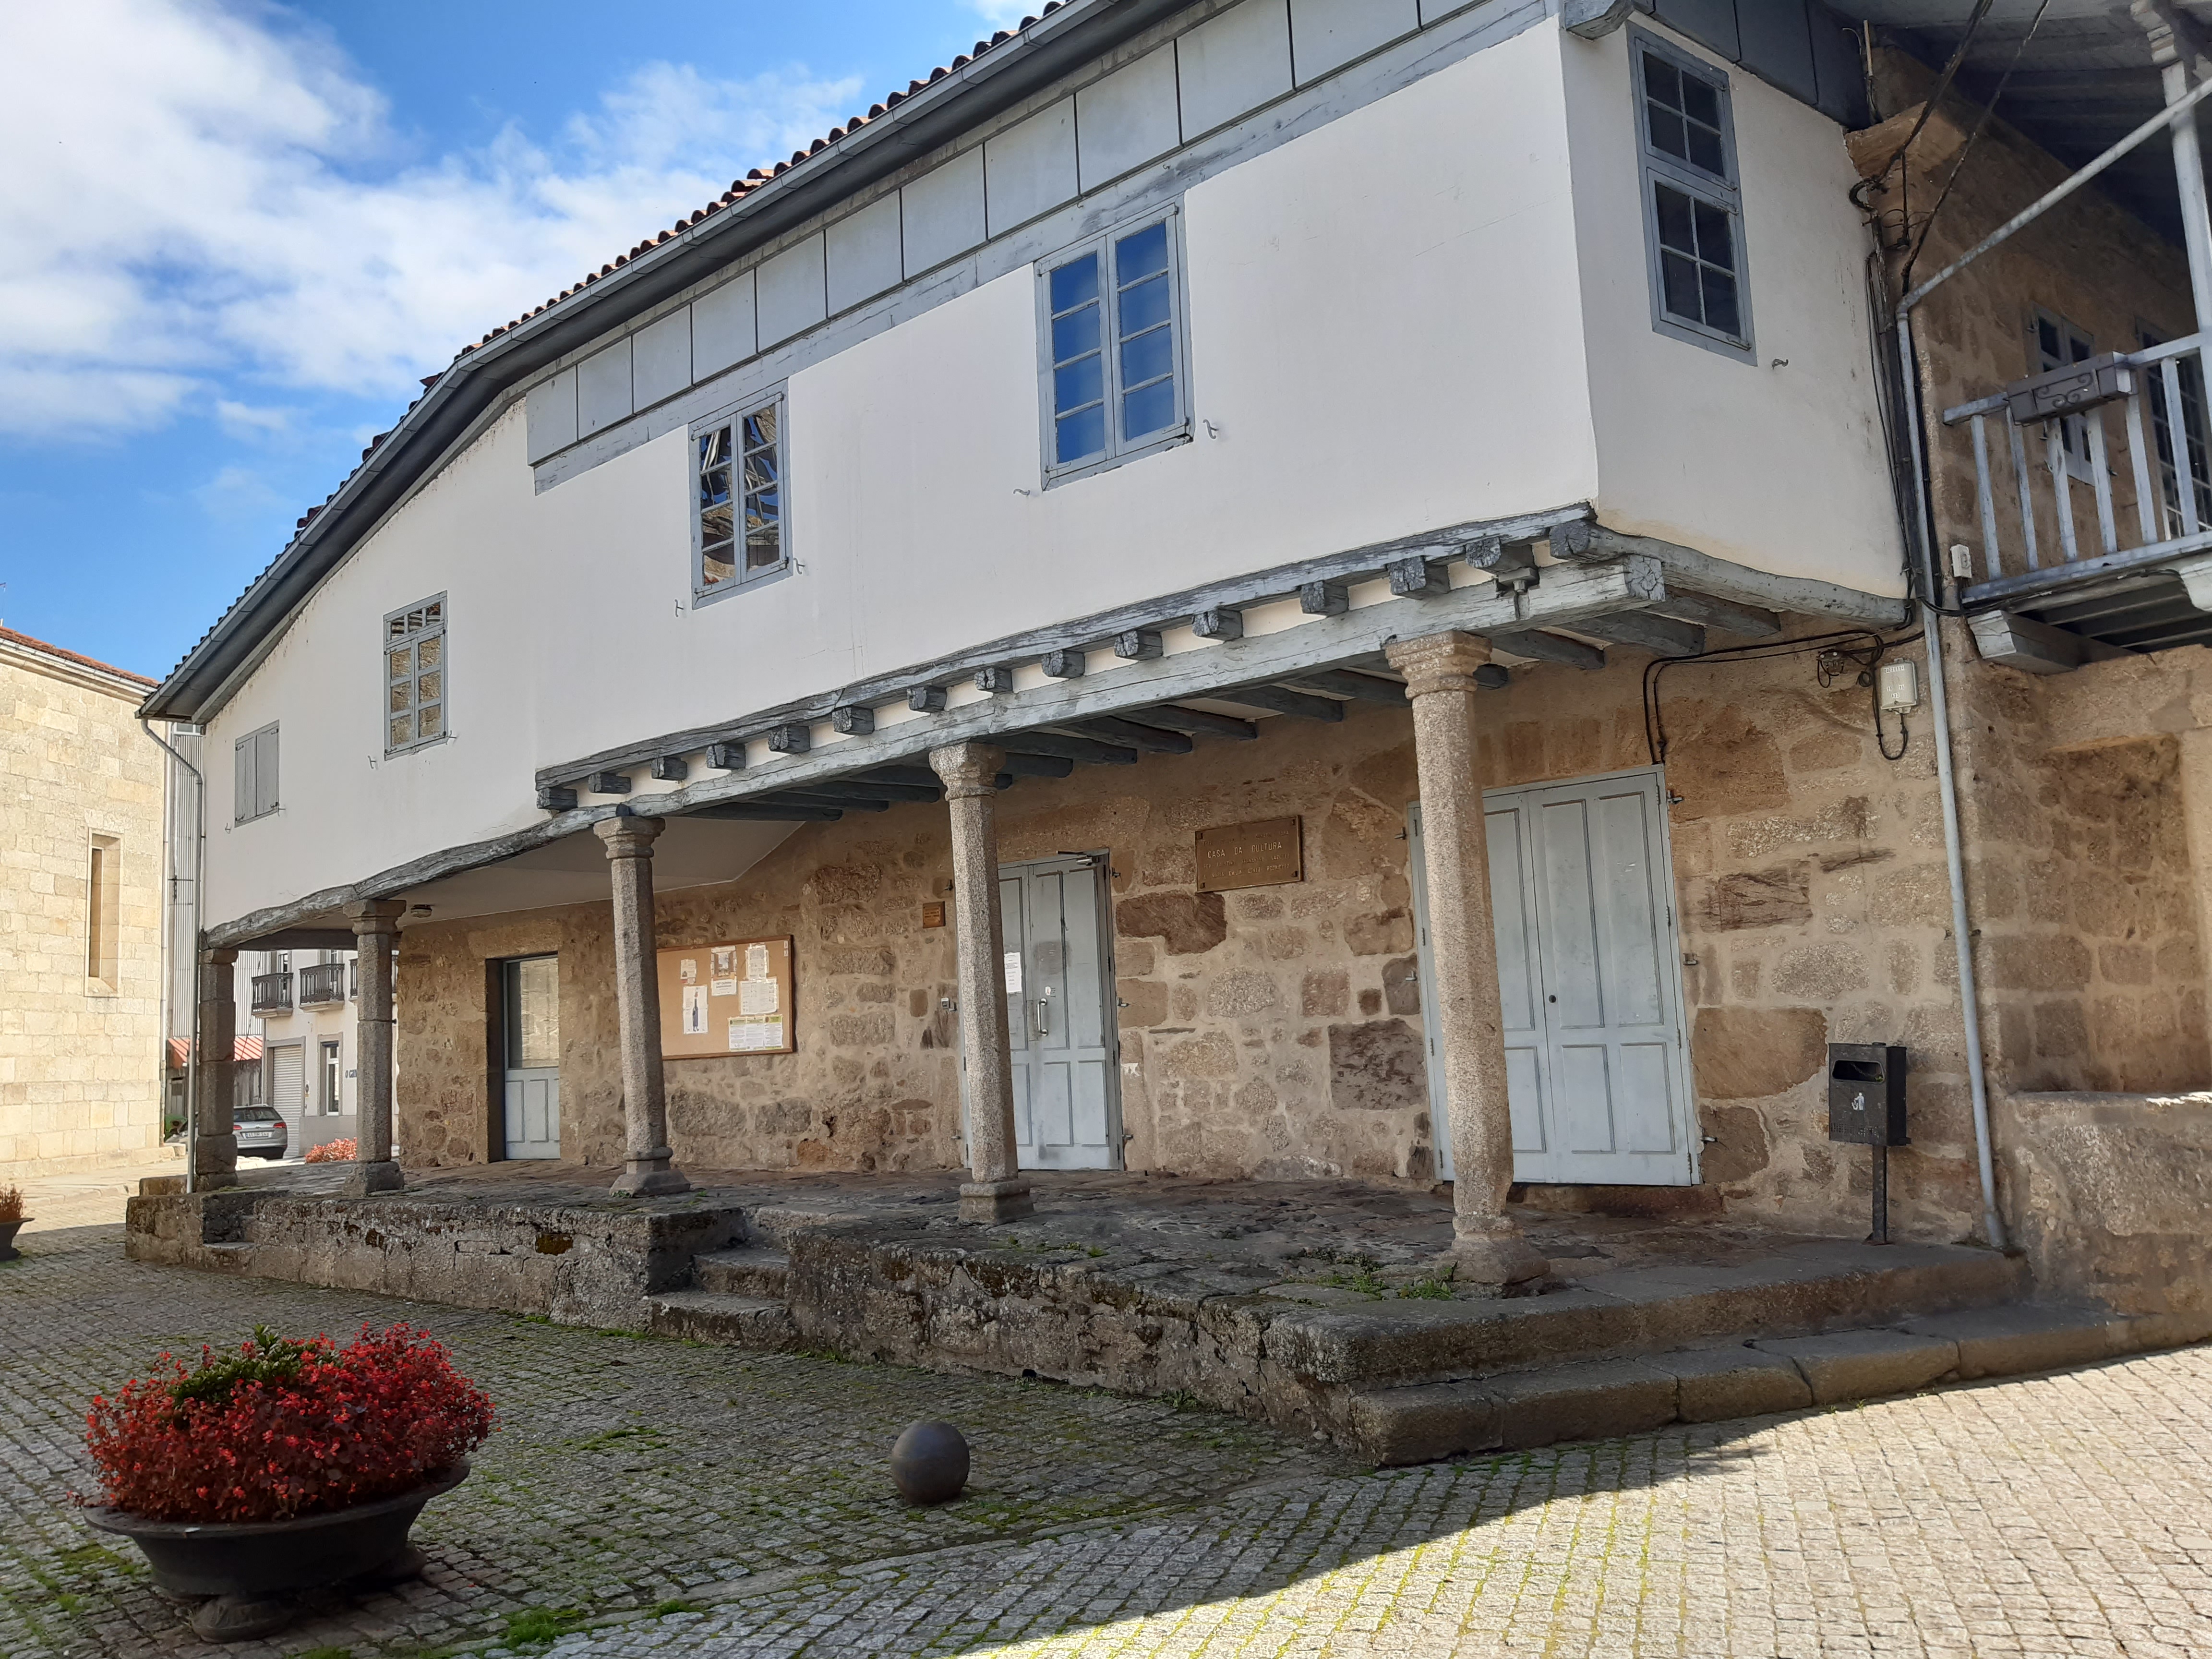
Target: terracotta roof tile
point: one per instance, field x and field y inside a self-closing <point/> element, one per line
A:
<point x="754" y="179"/>
<point x="24" y="640"/>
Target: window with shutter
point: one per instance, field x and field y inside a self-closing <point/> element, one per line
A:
<point x="254" y="793"/>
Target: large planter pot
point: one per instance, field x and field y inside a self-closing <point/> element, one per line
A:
<point x="7" y="1250"/>
<point x="245" y="1571"/>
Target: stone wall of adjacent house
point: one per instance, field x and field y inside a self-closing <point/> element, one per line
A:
<point x="2087" y="262"/>
<point x="2085" y="903"/>
<point x="80" y="1055"/>
<point x="2110" y="1195"/>
<point x="1276" y="1031"/>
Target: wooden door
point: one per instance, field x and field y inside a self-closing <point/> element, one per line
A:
<point x="1589" y="983"/>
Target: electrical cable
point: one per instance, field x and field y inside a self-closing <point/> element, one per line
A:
<point x="1871" y="649"/>
<point x="1958" y="166"/>
<point x="1928" y="109"/>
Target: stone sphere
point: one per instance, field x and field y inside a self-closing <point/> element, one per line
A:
<point x="929" y="1462"/>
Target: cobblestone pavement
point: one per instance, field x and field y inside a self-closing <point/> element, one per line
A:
<point x="2063" y="1514"/>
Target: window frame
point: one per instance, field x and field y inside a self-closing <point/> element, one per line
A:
<point x="2074" y="429"/>
<point x="250" y="810"/>
<point x="1723" y="193"/>
<point x="443" y="631"/>
<point x="733" y="415"/>
<point x="1119" y="451"/>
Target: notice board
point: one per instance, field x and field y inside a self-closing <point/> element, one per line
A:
<point x="736" y="997"/>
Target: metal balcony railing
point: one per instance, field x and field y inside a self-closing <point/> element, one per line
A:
<point x="272" y="994"/>
<point x="323" y="984"/>
<point x="2096" y="469"/>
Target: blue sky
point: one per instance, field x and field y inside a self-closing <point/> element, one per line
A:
<point x="233" y="236"/>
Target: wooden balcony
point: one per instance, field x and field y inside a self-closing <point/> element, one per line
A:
<point x="2092" y="489"/>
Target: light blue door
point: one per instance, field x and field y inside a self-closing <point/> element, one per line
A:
<point x="1059" y="1028"/>
<point x="1589" y="983"/>
<point x="531" y="1027"/>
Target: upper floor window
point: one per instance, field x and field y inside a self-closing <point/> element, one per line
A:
<point x="740" y="532"/>
<point x="1112" y="355"/>
<point x="1693" y="207"/>
<point x="254" y="758"/>
<point x="415" y="675"/>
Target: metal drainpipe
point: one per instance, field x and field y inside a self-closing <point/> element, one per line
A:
<point x="199" y="873"/>
<point x="1931" y="623"/>
<point x="2184" y="142"/>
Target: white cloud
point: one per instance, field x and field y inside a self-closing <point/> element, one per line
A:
<point x="192" y="192"/>
<point x="236" y="495"/>
<point x="246" y="421"/>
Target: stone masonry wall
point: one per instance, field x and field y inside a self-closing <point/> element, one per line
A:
<point x="2084" y="903"/>
<point x="1277" y="1031"/>
<point x="79" y="1058"/>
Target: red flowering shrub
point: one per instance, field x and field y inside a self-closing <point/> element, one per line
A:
<point x="333" y="1151"/>
<point x="282" y="1428"/>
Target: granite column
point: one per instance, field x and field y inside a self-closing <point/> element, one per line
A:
<point x="376" y="935"/>
<point x="1487" y="1246"/>
<point x="648" y="1165"/>
<point x="215" y="1142"/>
<point x="995" y="1191"/>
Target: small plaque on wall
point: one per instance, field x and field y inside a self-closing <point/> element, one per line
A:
<point x="735" y="998"/>
<point x="932" y="914"/>
<point x="1264" y="853"/>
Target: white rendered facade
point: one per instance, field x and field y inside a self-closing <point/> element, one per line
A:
<point x="1426" y="308"/>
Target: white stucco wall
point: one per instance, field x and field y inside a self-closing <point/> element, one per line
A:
<point x="1383" y="327"/>
<point x="1431" y="310"/>
<point x="1779" y="468"/>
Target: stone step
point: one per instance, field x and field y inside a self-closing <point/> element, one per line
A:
<point x="1595" y="1399"/>
<point x="1812" y="1286"/>
<point x="757" y="1272"/>
<point x="730" y="1321"/>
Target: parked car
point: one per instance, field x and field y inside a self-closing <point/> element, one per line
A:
<point x="261" y="1133"/>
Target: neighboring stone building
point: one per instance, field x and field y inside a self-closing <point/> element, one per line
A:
<point x="81" y="851"/>
<point x="1277" y="589"/>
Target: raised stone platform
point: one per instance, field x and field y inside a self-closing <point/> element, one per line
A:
<point x="1312" y="1305"/>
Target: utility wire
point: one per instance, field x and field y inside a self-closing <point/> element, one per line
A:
<point x="1861" y="645"/>
<point x="1905" y="277"/>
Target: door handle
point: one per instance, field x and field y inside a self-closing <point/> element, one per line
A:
<point x="1041" y="1014"/>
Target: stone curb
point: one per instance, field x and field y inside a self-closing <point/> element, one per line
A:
<point x="1600" y="1399"/>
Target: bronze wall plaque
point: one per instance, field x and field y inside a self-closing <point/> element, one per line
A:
<point x="1262" y="854"/>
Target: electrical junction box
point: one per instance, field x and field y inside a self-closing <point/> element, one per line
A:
<point x="1899" y="686"/>
<point x="1866" y="1094"/>
<point x="2070" y="389"/>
